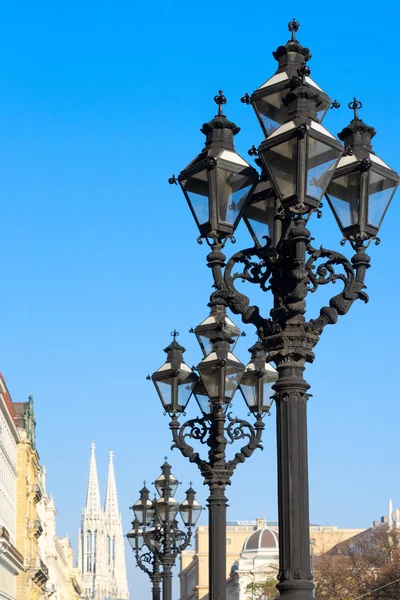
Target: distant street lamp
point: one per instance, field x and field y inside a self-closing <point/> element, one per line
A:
<point x="155" y="536"/>
<point x="300" y="162"/>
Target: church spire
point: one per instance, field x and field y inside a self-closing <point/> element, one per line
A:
<point x="111" y="500"/>
<point x="92" y="504"/>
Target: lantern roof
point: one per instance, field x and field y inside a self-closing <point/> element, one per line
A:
<point x="292" y="46"/>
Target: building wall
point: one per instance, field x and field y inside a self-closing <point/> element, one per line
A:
<point x="30" y="584"/>
<point x="194" y="564"/>
<point x="56" y="552"/>
<point x="11" y="562"/>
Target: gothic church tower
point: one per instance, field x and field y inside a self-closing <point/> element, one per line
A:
<point x="101" y="554"/>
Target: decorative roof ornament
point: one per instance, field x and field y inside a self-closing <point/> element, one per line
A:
<point x="219" y="121"/>
<point x="293" y="45"/>
<point x="357" y="125"/>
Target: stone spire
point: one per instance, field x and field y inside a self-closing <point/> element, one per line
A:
<point x="92" y="504"/>
<point x="111" y="500"/>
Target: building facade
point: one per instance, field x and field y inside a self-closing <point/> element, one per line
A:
<point x="56" y="552"/>
<point x="31" y="582"/>
<point x="101" y="553"/>
<point x="11" y="560"/>
<point x="194" y="563"/>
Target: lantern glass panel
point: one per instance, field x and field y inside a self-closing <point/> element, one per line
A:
<point x="282" y="164"/>
<point x="204" y="402"/>
<point x="344" y="196"/>
<point x="321" y="161"/>
<point x="233" y="190"/>
<point x="161" y="483"/>
<point x="197" y="188"/>
<point x="210" y="378"/>
<point x="185" y="388"/>
<point x="380" y="192"/>
<point x="190" y="513"/>
<point x="249" y="391"/>
<point x="261" y="219"/>
<point x="167" y="509"/>
<point x="232" y="379"/>
<point x="269" y="111"/>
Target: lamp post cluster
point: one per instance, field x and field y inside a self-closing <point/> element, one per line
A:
<point x="300" y="162"/>
<point x="155" y="536"/>
<point x="220" y="373"/>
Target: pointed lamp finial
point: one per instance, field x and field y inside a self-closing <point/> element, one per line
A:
<point x="293" y="27"/>
<point x="355" y="105"/>
<point x="220" y="99"/>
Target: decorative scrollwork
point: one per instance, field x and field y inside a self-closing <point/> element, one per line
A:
<point x="236" y="429"/>
<point x="217" y="471"/>
<point x="325" y="272"/>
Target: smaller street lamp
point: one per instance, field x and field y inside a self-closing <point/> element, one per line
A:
<point x="363" y="185"/>
<point x="158" y="541"/>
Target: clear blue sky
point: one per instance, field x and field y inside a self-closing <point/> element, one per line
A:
<point x="100" y="102"/>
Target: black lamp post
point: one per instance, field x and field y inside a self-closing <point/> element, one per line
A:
<point x="301" y="162"/>
<point x="155" y="536"/>
<point x="220" y="375"/>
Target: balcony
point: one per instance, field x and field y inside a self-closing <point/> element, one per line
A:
<point x="38" y="571"/>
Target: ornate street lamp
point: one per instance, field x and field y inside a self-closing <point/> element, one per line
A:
<point x="220" y="375"/>
<point x="301" y="162"/>
<point x="157" y="542"/>
<point x="363" y="185"/>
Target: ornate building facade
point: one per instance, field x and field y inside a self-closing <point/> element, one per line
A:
<point x="101" y="553"/>
<point x="56" y="552"/>
<point x="31" y="582"/>
<point x="11" y="560"/>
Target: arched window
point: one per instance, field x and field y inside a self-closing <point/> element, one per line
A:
<point x="108" y="550"/>
<point x="94" y="551"/>
<point x="89" y="552"/>
<point x="113" y="548"/>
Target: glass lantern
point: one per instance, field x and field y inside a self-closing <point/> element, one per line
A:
<point x="261" y="212"/>
<point x="166" y="480"/>
<point x="300" y="158"/>
<point x="190" y="509"/>
<point x="218" y="182"/>
<point x="257" y="381"/>
<point x="174" y="380"/>
<point x="363" y="185"/>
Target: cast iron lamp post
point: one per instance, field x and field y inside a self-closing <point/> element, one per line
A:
<point x="220" y="374"/>
<point x="155" y="536"/>
<point x="300" y="162"/>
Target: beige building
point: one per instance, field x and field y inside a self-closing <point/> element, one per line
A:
<point x="194" y="563"/>
<point x="31" y="582"/>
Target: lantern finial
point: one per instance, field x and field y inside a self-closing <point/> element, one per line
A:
<point x="220" y="99"/>
<point x="293" y="27"/>
<point x="355" y="105"/>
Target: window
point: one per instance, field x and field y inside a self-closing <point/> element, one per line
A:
<point x="89" y="552"/>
